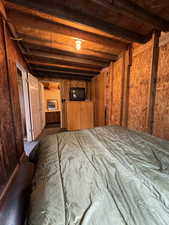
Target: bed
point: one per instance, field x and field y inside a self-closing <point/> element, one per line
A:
<point x="102" y="176"/>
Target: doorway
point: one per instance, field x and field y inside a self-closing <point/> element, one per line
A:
<point x="22" y="79"/>
<point x="52" y="103"/>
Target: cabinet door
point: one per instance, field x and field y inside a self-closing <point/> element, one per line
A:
<point x="73" y="115"/>
<point x="86" y="115"/>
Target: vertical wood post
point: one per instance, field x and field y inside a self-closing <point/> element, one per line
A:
<point x="122" y="87"/>
<point x="14" y="94"/>
<point x="127" y="65"/>
<point x="111" y="89"/>
<point x="152" y="83"/>
<point x="108" y="93"/>
<point x="7" y="71"/>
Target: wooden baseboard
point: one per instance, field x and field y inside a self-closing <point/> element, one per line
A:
<point x="23" y="157"/>
<point x="4" y="192"/>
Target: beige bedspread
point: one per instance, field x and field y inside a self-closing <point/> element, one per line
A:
<point x="101" y="176"/>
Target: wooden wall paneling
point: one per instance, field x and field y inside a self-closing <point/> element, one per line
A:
<point x="77" y="83"/>
<point x="161" y="108"/>
<point x="138" y="86"/>
<point x="8" y="154"/>
<point x="93" y="86"/>
<point x="108" y="93"/>
<point x="65" y="86"/>
<point x="88" y="90"/>
<point x="152" y="82"/>
<point x="111" y="97"/>
<point x="42" y="105"/>
<point x="13" y="86"/>
<point x="122" y="87"/>
<point x="93" y="97"/>
<point x="117" y="93"/>
<point x="128" y="63"/>
<point x="100" y="99"/>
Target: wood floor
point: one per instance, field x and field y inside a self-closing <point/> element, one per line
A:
<point x="49" y="130"/>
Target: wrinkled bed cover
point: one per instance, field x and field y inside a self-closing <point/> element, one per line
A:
<point x="101" y="176"/>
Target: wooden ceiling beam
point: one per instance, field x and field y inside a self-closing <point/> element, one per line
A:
<point x="62" y="62"/>
<point x="66" y="49"/>
<point x="54" y="19"/>
<point x="64" y="58"/>
<point x="67" y="53"/>
<point x="61" y="76"/>
<point x="132" y="10"/>
<point x="25" y="22"/>
<point x="63" y="12"/>
<point x="36" y="40"/>
<point x="63" y="67"/>
<point x="61" y="72"/>
<point x="65" y="70"/>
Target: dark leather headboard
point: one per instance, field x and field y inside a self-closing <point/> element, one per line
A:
<point x="13" y="210"/>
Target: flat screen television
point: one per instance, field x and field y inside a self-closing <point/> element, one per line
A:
<point x="77" y="94"/>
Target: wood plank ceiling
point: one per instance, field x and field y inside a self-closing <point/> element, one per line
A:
<point x="46" y="31"/>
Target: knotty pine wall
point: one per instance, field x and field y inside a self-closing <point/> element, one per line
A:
<point x="130" y="77"/>
<point x="11" y="137"/>
<point x="161" y="112"/>
<point x="67" y="84"/>
<point x="98" y="98"/>
<point x="138" y="86"/>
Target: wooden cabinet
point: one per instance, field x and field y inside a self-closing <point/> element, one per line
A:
<point x="52" y="117"/>
<point x="79" y="115"/>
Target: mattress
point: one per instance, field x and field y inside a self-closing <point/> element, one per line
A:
<point x="101" y="176"/>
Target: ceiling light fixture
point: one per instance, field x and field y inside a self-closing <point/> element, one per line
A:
<point x="78" y="44"/>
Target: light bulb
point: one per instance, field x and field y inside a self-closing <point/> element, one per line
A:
<point x="78" y="44"/>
